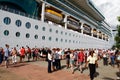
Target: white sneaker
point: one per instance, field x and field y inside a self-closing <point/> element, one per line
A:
<point x="118" y="77"/>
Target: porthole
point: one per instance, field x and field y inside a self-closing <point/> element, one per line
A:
<point x="73" y="41"/>
<point x="69" y="34"/>
<point x="61" y="32"/>
<point x="50" y="30"/>
<point x="18" y="23"/>
<point x="69" y="41"/>
<point x="56" y="31"/>
<point x="28" y="25"/>
<point x="50" y="38"/>
<point x="36" y="27"/>
<point x="43" y="28"/>
<point x="7" y="20"/>
<point x="65" y="40"/>
<point x="61" y="40"/>
<point x="27" y="35"/>
<point x="36" y="36"/>
<point x="43" y="37"/>
<point x="73" y="35"/>
<point x="17" y="34"/>
<point x="6" y="32"/>
<point x="65" y="33"/>
<point x="57" y="39"/>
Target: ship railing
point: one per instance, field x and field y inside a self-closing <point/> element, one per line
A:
<point x="18" y="12"/>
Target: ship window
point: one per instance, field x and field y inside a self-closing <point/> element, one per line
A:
<point x="73" y="41"/>
<point x="43" y="37"/>
<point x="28" y="25"/>
<point x="36" y="36"/>
<point x="65" y="33"/>
<point x="50" y="38"/>
<point x="36" y="27"/>
<point x="69" y="41"/>
<point x="27" y="35"/>
<point x="43" y="28"/>
<point x="6" y="32"/>
<point x="57" y="39"/>
<point x="65" y="40"/>
<point x="69" y="34"/>
<point x="50" y="30"/>
<point x="61" y="40"/>
<point x="56" y="31"/>
<point x="7" y="20"/>
<point x="73" y="35"/>
<point x="17" y="34"/>
<point x="18" y="23"/>
<point x="61" y="32"/>
<point x="76" y="41"/>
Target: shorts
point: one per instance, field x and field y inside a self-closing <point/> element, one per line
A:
<point x="67" y="61"/>
<point x="71" y="61"/>
<point x="80" y="63"/>
<point x="6" y="58"/>
<point x="22" y="56"/>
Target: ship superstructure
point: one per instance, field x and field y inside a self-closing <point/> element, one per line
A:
<point x="53" y="23"/>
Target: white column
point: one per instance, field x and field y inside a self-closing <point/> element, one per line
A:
<point x="65" y="20"/>
<point x="92" y="32"/>
<point x="102" y="36"/>
<point x="43" y="12"/>
<point x="81" y="27"/>
<point x="97" y="34"/>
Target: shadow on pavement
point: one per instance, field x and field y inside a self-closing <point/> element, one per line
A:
<point x="118" y="74"/>
<point x="18" y="65"/>
<point x="63" y="66"/>
<point x="107" y="78"/>
<point x="96" y="74"/>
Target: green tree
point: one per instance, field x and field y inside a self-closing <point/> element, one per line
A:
<point x="117" y="37"/>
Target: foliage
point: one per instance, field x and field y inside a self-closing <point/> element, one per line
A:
<point x="117" y="37"/>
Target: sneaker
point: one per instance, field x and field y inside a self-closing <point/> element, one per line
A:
<point x="118" y="78"/>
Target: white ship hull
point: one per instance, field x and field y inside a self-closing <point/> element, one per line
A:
<point x="70" y="39"/>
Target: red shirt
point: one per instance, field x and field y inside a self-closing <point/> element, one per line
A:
<point x="22" y="51"/>
<point x="81" y="57"/>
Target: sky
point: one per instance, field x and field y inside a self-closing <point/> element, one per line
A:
<point x="110" y="10"/>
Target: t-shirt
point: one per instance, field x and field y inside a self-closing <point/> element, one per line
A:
<point x="81" y="56"/>
<point x="7" y="52"/>
<point x="91" y="59"/>
<point x="67" y="54"/>
<point x="22" y="51"/>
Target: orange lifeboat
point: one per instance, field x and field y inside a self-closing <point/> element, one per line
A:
<point x="53" y="15"/>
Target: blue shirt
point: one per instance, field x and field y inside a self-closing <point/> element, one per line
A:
<point x="7" y="52"/>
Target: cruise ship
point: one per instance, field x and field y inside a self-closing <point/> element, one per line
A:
<point x="53" y="23"/>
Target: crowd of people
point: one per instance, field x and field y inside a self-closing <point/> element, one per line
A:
<point x="75" y="58"/>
